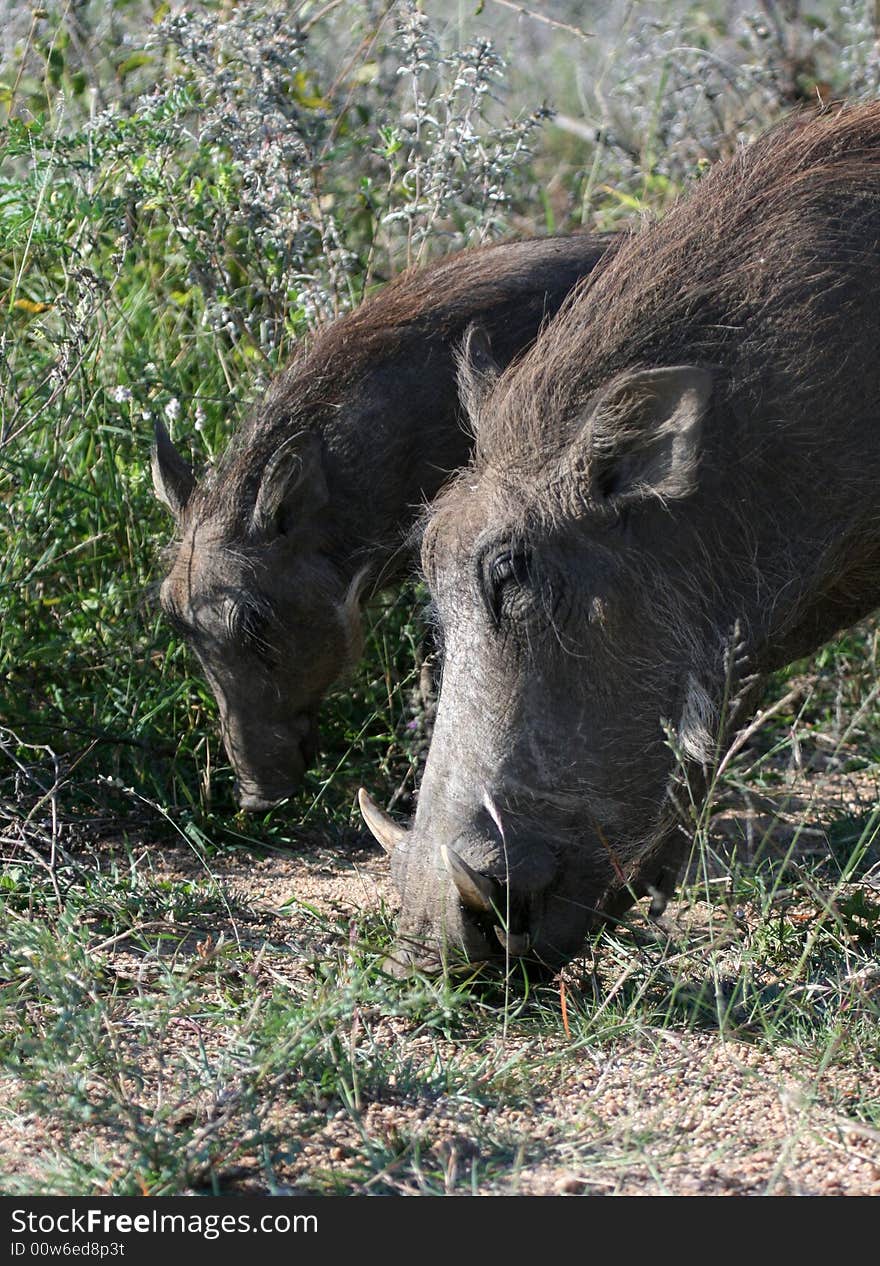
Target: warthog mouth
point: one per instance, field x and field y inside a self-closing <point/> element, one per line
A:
<point x="472" y="918"/>
<point x="254" y="801"/>
<point x="283" y="778"/>
<point x="409" y="955"/>
<point x="488" y="919"/>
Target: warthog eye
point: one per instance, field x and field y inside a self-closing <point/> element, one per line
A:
<point x="502" y="569"/>
<point x="503" y="572"/>
<point x="244" y="623"/>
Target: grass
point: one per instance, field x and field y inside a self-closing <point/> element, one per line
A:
<point x="181" y="1032"/>
<point x="193" y="1001"/>
<point x="176" y="1043"/>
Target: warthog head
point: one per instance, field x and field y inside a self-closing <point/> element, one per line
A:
<point x="259" y="599"/>
<point x="674" y="493"/>
<point x="566" y="675"/>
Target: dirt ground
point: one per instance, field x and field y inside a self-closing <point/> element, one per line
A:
<point x="664" y="1111"/>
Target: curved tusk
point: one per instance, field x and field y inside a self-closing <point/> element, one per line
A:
<point x="517" y="944"/>
<point x="383" y="828"/>
<point x="659" y="902"/>
<point x="478" y="892"/>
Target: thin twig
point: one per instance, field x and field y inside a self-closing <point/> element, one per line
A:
<point x="542" y="17"/>
<point x="151" y="926"/>
<point x="800" y="688"/>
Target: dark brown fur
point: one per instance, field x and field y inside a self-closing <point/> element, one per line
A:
<point x="313" y="504"/>
<point x="685" y="470"/>
<point x="411" y="327"/>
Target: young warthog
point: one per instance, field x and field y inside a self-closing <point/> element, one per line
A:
<point x="312" y="504"/>
<point x="675" y="492"/>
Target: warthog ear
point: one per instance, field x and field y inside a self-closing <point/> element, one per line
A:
<point x="477" y="371"/>
<point x="643" y="434"/>
<point x="293" y="486"/>
<point x="173" y="478"/>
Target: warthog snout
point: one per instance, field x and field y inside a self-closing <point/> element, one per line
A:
<point x="492" y="911"/>
<point x="259" y="790"/>
<point x="257" y="802"/>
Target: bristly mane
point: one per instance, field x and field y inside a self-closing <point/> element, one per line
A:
<point x="742" y="274"/>
<point x="432" y="302"/>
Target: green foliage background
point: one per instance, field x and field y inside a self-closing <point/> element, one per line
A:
<point x="183" y="195"/>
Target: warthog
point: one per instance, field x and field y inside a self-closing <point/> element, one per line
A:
<point x="311" y="506"/>
<point x="675" y="492"/>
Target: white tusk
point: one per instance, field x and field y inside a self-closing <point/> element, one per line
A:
<point x="383" y="828"/>
<point x="659" y="902"/>
<point x="517" y="944"/>
<point x="478" y="892"/>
